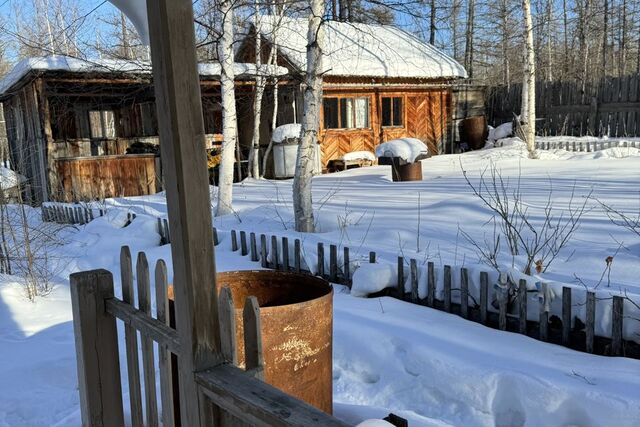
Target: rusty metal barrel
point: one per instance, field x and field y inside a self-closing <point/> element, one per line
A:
<point x="296" y="316"/>
<point x="474" y="131"/>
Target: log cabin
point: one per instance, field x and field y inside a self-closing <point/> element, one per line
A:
<point x="380" y="82"/>
<point x="72" y="124"/>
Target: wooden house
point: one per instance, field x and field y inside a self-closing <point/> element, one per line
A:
<point x="74" y="125"/>
<point x="380" y="82"/>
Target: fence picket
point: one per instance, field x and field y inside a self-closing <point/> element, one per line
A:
<point x="522" y="306"/>
<point x="616" y="326"/>
<point x="285" y="254"/>
<point x="484" y="296"/>
<point x="253" y="247"/>
<point x="400" y="285"/>
<point x="346" y="271"/>
<point x="254" y="360"/>
<point x="414" y="280"/>
<point x="566" y="315"/>
<point x="263" y="251"/>
<point x="333" y="263"/>
<point x="243" y="243"/>
<point x="131" y="340"/>
<point x="297" y="256"/>
<point x="149" y="373"/>
<point x="234" y="241"/>
<point x="227" y="315"/>
<point x="275" y="259"/>
<point x="447" y="288"/>
<point x="164" y="357"/>
<point x="320" y="259"/>
<point x="464" y="293"/>
<point x="431" y="284"/>
<point x="544" y="315"/>
<point x="590" y="322"/>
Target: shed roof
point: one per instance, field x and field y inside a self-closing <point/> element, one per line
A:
<point x="354" y="49"/>
<point x="115" y="66"/>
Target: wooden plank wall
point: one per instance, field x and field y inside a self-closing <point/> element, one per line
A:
<point x="89" y="178"/>
<point x="608" y="107"/>
<point x="426" y="115"/>
<point x="4" y="144"/>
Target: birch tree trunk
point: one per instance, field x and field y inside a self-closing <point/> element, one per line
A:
<point x="302" y="200"/>
<point x="229" y="119"/>
<point x="528" y="115"/>
<point x="468" y="49"/>
<point x="254" y="161"/>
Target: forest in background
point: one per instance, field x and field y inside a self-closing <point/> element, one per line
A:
<point x="575" y="40"/>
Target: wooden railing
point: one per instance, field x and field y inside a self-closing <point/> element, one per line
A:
<point x="238" y="396"/>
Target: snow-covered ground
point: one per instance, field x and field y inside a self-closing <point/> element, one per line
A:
<point x="433" y="368"/>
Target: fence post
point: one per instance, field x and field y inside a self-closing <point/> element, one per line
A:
<point x="590" y="322"/>
<point x="400" y="286"/>
<point x="522" y="306"/>
<point x="484" y="296"/>
<point x="96" y="340"/>
<point x="464" y="293"/>
<point x="566" y="316"/>
<point x="447" y="288"/>
<point x="544" y="315"/>
<point x="616" y="326"/>
<point x="414" y="281"/>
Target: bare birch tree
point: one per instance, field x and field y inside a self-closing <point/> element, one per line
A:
<point x="254" y="161"/>
<point x="229" y="118"/>
<point x="528" y="113"/>
<point x="302" y="199"/>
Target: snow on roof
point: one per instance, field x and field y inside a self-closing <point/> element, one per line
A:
<point x="76" y="65"/>
<point x="353" y="49"/>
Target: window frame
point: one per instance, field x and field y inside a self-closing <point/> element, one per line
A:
<point x="401" y="124"/>
<point x="341" y="99"/>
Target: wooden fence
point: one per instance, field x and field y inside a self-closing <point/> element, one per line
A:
<point x="274" y="252"/>
<point x="609" y="107"/>
<point x="580" y="146"/>
<point x="239" y="397"/>
<point x="100" y="177"/>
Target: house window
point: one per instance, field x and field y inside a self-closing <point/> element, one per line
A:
<point x="103" y="124"/>
<point x="346" y="113"/>
<point x="392" y="111"/>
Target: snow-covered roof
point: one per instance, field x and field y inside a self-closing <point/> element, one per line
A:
<point x="76" y="65"/>
<point x="353" y="49"/>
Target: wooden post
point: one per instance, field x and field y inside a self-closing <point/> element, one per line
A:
<point x="274" y="253"/>
<point x="484" y="296"/>
<point x="590" y="322"/>
<point x="400" y="285"/>
<point x="243" y="243"/>
<point x="285" y="254"/>
<point x="522" y="306"/>
<point x="253" y="247"/>
<point x="616" y="326"/>
<point x="544" y="315"/>
<point x="413" y="266"/>
<point x="503" y="297"/>
<point x="164" y="357"/>
<point x="464" y="293"/>
<point x="234" y="241"/>
<point x="346" y="273"/>
<point x="447" y="288"/>
<point x="96" y="340"/>
<point x="566" y="315"/>
<point x="372" y="257"/>
<point x="227" y="313"/>
<point x="431" y="284"/>
<point x="296" y="256"/>
<point x="320" y="259"/>
<point x="181" y="130"/>
<point x="263" y="251"/>
<point x="333" y="263"/>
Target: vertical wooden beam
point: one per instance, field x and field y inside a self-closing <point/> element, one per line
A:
<point x="346" y="273"/>
<point x="484" y="296"/>
<point x="447" y="288"/>
<point x="617" y="315"/>
<point x="333" y="263"/>
<point x="566" y="315"/>
<point x="181" y="130"/>
<point x="164" y="357"/>
<point x="590" y="322"/>
<point x="431" y="284"/>
<point x="544" y="315"/>
<point x="413" y="268"/>
<point x="253" y="357"/>
<point x="522" y="306"/>
<point x="400" y="285"/>
<point x="320" y="259"/>
<point x="464" y="293"/>
<point x="285" y="254"/>
<point x="96" y="340"/>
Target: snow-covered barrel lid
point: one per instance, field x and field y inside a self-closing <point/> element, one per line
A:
<point x="283" y="133"/>
<point x="408" y="149"/>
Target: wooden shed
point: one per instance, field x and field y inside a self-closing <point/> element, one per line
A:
<point x="82" y="130"/>
<point x="380" y="82"/>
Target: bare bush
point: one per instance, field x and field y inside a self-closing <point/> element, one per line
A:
<point x="539" y="241"/>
